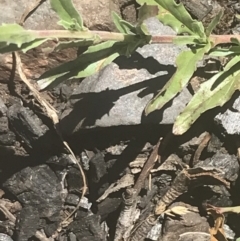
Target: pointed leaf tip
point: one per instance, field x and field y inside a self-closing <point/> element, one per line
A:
<point x="210" y="96"/>
<point x="70" y="17"/>
<point x="186" y="65"/>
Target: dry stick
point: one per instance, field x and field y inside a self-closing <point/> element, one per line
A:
<point x="51" y="112"/>
<point x="147" y="168"/>
<point x="200" y="148"/>
<point x="140" y="231"/>
<point x="41" y="236"/>
<point x="151" y="161"/>
<point x="30" y="10"/>
<point x="6" y="212"/>
<point x="126" y="217"/>
<point x="143" y="228"/>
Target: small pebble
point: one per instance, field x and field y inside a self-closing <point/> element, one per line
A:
<point x="5" y="237"/>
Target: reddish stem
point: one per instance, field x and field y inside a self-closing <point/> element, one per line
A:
<point x="104" y="36"/>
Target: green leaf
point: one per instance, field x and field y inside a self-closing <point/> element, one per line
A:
<point x="15" y="34"/>
<point x="186" y="65"/>
<point x="147" y="2"/>
<point x="117" y="21"/>
<point x="70" y="18"/>
<point x="127" y="28"/>
<point x="33" y="44"/>
<point x="214" y="23"/>
<point x="147" y="11"/>
<point x="81" y="66"/>
<point x="177" y="17"/>
<point x="90" y="62"/>
<point x="122" y="25"/>
<point x="214" y="92"/>
<point x="184" y="40"/>
<point x="235" y="41"/>
<point x="73" y="44"/>
<point x="13" y="38"/>
<point x="220" y="52"/>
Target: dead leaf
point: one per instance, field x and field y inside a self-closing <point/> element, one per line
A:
<point x="189" y="179"/>
<point x="177" y="211"/>
<point x="217" y="231"/>
<point x="123" y="182"/>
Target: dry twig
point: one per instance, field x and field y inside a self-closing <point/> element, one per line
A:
<point x="124" y="227"/>
<point x="147" y="168"/>
<point x="30" y="10"/>
<point x="6" y="212"/>
<point x="52" y="114"/>
<point x="200" y="148"/>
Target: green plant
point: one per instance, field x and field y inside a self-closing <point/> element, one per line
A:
<point x="104" y="47"/>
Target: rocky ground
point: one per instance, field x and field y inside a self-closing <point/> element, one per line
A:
<point x="101" y="117"/>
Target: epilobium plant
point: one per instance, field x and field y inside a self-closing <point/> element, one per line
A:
<point x="104" y="47"/>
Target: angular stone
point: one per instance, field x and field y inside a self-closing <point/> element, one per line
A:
<point x="39" y="191"/>
<point x="3" y="108"/>
<point x="230" y="119"/>
<point x="30" y="129"/>
<point x="94" y="13"/>
<point x="189" y="222"/>
<point x="118" y="94"/>
<point x="227" y="163"/>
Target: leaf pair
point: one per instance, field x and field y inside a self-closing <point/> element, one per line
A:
<point x="175" y="15"/>
<point x="13" y="37"/>
<point x="214" y="92"/>
<point x="95" y="57"/>
<point x="70" y="18"/>
<point x="88" y="63"/>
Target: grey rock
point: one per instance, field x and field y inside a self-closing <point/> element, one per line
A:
<point x="189" y="225"/>
<point x="26" y="124"/>
<point x="5" y="237"/>
<point x="7" y="139"/>
<point x="229" y="233"/>
<point x="39" y="191"/>
<point x="29" y="128"/>
<point x="225" y="162"/>
<point x="3" y="108"/>
<point x="96" y="16"/>
<point x="4" y="124"/>
<point x="95" y="13"/>
<point x="155" y="232"/>
<point x="230" y="119"/>
<point x="214" y="144"/>
<point x="196" y="236"/>
<point x="118" y="94"/>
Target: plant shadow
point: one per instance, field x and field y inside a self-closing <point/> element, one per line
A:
<point x="92" y="106"/>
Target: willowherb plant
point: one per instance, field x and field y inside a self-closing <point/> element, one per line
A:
<point x="104" y="47"/>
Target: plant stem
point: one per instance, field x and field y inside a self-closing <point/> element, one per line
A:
<point x="96" y="36"/>
<point x="99" y="36"/>
<point x="221" y="39"/>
